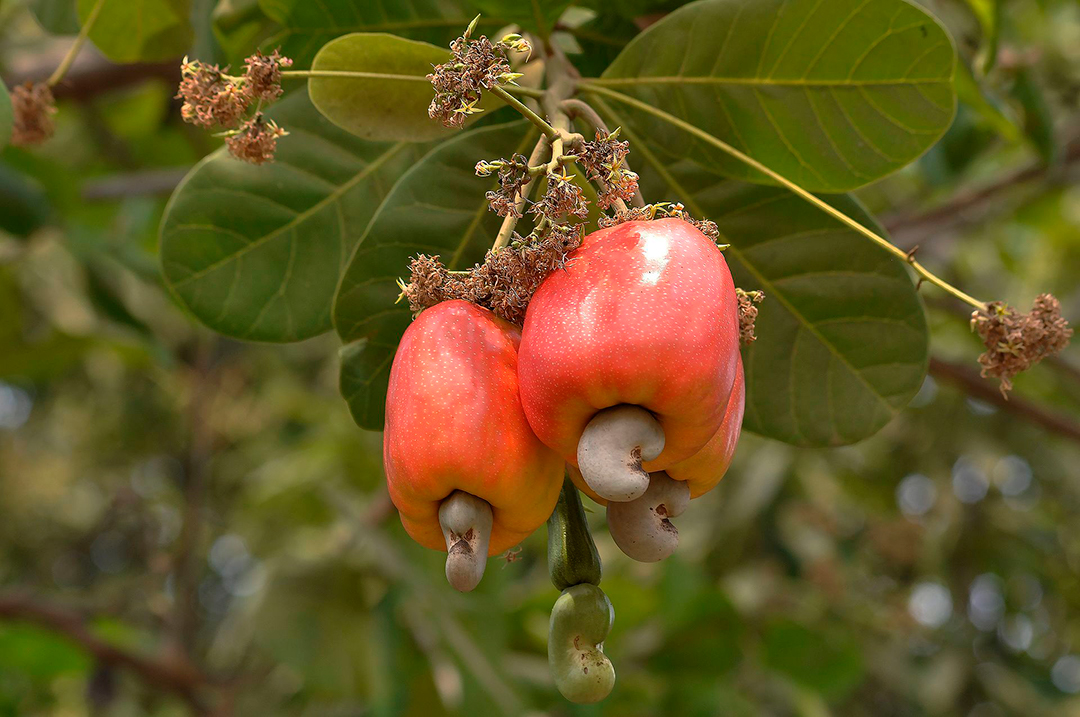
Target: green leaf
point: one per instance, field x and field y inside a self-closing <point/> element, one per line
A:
<point x="240" y="26"/>
<point x="830" y="664"/>
<point x="255" y="251"/>
<point x="438" y="207"/>
<point x="842" y="338"/>
<point x="381" y="108"/>
<point x="140" y="30"/>
<point x="830" y="95"/>
<point x="6" y="117"/>
<point x="972" y="93"/>
<point x="307" y="25"/>
<point x="57" y="16"/>
<point x="24" y="207"/>
<point x="537" y="15"/>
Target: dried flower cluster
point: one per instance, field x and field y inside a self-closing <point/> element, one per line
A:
<point x="504" y="283"/>
<point x="256" y="140"/>
<point x="562" y="199"/>
<point x="602" y="160"/>
<point x="474" y="66"/>
<point x="513" y="176"/>
<point x="33" y="108"/>
<point x="748" y="312"/>
<point x="214" y="98"/>
<point x="662" y="210"/>
<point x="1015" y="342"/>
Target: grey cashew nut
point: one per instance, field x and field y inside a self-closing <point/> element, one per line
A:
<point x="612" y="448"/>
<point x="642" y="528"/>
<point x="466" y="524"/>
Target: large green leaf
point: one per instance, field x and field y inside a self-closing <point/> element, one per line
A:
<point x="392" y="107"/>
<point x="255" y="252"/>
<point x="6" y="117"/>
<point x="830" y="95"/>
<point x="536" y="15"/>
<point x="842" y="336"/>
<point x="57" y="16"/>
<point x="438" y="207"/>
<point x="140" y="30"/>
<point x="308" y="25"/>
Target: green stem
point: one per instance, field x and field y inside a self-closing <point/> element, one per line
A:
<point x="549" y="131"/>
<point x="789" y="185"/>
<point x="73" y="51"/>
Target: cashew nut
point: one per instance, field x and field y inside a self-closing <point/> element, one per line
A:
<point x="580" y="621"/>
<point x="642" y="528"/>
<point x="612" y="448"/>
<point x="466" y="524"/>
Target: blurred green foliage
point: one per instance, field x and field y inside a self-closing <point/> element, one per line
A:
<point x="931" y="570"/>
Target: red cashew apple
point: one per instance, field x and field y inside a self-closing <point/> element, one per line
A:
<point x="629" y="355"/>
<point x="642" y="528"/>
<point x="463" y="467"/>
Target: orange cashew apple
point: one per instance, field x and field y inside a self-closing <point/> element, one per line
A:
<point x="629" y="355"/>
<point x="463" y="467"/>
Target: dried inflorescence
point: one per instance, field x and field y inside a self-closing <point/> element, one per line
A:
<point x="213" y="98"/>
<point x="33" y="107"/>
<point x="263" y="75"/>
<point x="513" y="176"/>
<point x="255" y="141"/>
<point x="210" y="96"/>
<point x="1015" y="342"/>
<point x="662" y="210"/>
<point x="504" y="283"/>
<point x="563" y="198"/>
<point x="602" y="160"/>
<point x="474" y="66"/>
<point x="748" y="312"/>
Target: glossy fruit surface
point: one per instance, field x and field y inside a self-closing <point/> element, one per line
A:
<point x="645" y="313"/>
<point x="704" y="469"/>
<point x="454" y="422"/>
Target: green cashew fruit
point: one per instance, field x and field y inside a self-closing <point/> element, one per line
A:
<point x="572" y="556"/>
<point x="580" y="620"/>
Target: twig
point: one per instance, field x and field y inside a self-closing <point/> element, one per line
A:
<point x="579" y="108"/>
<point x="955" y="209"/>
<point x="975" y="385"/>
<point x="151" y="182"/>
<point x="176" y="674"/>
<point x="506" y="230"/>
<point x="80" y="40"/>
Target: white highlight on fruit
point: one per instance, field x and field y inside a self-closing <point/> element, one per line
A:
<point x="466" y="524"/>
<point x="612" y="449"/>
<point x="642" y="528"/>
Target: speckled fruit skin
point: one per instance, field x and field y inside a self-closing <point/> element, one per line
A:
<point x="703" y="470"/>
<point x="454" y="422"/>
<point x="645" y="313"/>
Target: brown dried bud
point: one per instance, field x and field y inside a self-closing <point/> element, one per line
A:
<point x="1016" y="342"/>
<point x="474" y="65"/>
<point x="748" y="314"/>
<point x="662" y="210"/>
<point x="263" y="75"/>
<point x="210" y="97"/>
<point x="33" y="107"/>
<point x="255" y="141"/>
<point x="562" y="198"/>
<point x="513" y="176"/>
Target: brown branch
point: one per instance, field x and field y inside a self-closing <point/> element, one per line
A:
<point x="976" y="201"/>
<point x="175" y="674"/>
<point x="974" y="385"/>
<point x="91" y="75"/>
<point x="151" y="182"/>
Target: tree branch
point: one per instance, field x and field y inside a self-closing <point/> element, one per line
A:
<point x="974" y="385"/>
<point x="175" y="675"/>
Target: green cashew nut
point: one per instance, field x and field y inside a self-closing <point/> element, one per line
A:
<point x="581" y="619"/>
<point x="572" y="556"/>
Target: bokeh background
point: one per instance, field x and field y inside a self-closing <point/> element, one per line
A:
<point x="193" y="525"/>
